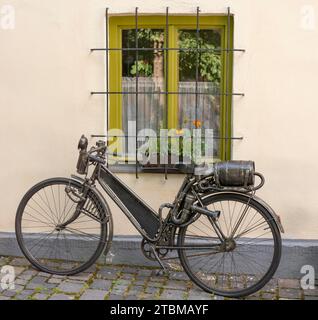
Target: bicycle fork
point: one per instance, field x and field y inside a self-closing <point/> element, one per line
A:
<point x="80" y="200"/>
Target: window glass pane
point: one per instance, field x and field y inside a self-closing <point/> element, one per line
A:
<point x="208" y="101"/>
<point x="151" y="107"/>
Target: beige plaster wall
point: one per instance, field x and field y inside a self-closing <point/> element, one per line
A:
<point x="47" y="73"/>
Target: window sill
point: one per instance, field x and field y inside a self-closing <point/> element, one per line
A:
<point x="131" y="168"/>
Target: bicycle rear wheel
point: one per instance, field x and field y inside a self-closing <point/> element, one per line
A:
<point x="48" y="244"/>
<point x="241" y="263"/>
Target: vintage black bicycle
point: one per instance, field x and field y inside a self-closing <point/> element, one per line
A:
<point x="225" y="237"/>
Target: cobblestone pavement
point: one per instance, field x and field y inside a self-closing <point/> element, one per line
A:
<point x="117" y="282"/>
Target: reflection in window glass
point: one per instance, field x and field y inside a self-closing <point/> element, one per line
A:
<point x="150" y="78"/>
<point x="209" y="82"/>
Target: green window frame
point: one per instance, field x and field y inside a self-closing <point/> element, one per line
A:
<point x="119" y="23"/>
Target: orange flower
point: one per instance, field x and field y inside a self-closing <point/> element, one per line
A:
<point x="197" y="123"/>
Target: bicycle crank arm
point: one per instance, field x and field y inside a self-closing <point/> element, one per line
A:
<point x="212" y="214"/>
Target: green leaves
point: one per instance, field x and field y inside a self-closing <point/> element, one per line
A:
<point x="144" y="69"/>
<point x="209" y="62"/>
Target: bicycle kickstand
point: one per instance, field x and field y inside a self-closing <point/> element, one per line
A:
<point x="164" y="270"/>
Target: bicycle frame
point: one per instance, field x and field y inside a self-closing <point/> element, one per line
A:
<point x="126" y="199"/>
<point x="145" y="219"/>
<point x="115" y="188"/>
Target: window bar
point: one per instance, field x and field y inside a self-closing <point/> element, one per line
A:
<point x="227" y="72"/>
<point x="169" y="92"/>
<point x="229" y="95"/>
<point x="196" y="73"/>
<point x="149" y="137"/>
<point x="137" y="75"/>
<point x="107" y="85"/>
<point x="166" y="84"/>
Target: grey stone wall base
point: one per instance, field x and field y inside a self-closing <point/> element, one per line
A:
<point x="127" y="250"/>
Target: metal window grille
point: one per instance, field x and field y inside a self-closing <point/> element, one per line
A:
<point x="137" y="92"/>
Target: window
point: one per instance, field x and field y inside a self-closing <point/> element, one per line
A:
<point x="168" y="80"/>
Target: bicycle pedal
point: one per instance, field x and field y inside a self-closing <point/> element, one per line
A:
<point x="162" y="273"/>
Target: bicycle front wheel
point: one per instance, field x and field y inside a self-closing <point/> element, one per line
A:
<point x="49" y="235"/>
<point x="235" y="255"/>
